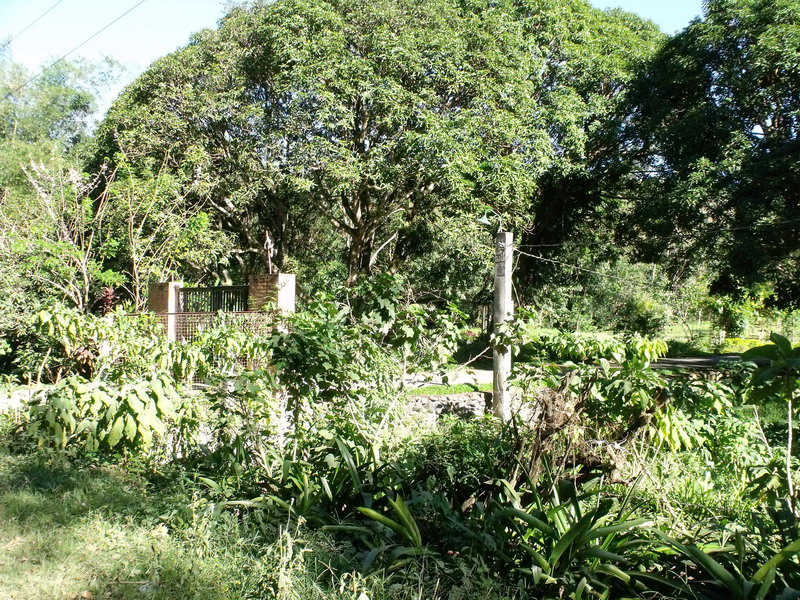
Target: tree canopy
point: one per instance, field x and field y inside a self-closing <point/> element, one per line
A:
<point x="715" y="127"/>
<point x="377" y="118"/>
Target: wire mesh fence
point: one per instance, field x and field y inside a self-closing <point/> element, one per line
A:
<point x="187" y="326"/>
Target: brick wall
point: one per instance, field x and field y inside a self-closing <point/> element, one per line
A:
<point x="278" y="289"/>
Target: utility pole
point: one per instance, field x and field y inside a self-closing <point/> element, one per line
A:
<point x="503" y="311"/>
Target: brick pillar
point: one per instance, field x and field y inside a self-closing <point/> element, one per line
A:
<point x="162" y="299"/>
<point x="278" y="289"/>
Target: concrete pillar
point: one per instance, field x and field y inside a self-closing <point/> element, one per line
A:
<point x="503" y="311"/>
<point x="276" y="288"/>
<point x="162" y="299"/>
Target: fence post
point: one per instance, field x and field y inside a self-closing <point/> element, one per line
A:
<point x="503" y="311"/>
<point x="162" y="299"/>
<point x="278" y="288"/>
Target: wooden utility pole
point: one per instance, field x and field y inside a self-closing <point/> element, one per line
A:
<point x="503" y="311"/>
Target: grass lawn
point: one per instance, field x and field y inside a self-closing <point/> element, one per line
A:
<point x="92" y="532"/>
<point x="96" y="533"/>
<point x="444" y="390"/>
<point x="101" y="532"/>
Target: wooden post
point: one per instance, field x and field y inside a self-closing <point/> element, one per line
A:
<point x="503" y="311"/>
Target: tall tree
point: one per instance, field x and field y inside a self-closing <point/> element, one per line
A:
<point x="715" y="128"/>
<point x="46" y="117"/>
<point x="43" y="121"/>
<point x="379" y="116"/>
<point x="592" y="60"/>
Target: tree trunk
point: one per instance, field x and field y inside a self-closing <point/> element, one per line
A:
<point x="358" y="255"/>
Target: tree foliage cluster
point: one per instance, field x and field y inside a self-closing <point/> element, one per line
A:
<point x="386" y="125"/>
<point x="714" y="127"/>
<point x="343" y="139"/>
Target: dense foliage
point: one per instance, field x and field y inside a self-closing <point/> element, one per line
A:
<point x="383" y="121"/>
<point x="322" y="440"/>
<point x="650" y="182"/>
<point x="715" y="129"/>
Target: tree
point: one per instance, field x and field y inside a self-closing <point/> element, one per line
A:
<point x="379" y="116"/>
<point x="58" y="250"/>
<point x="150" y="236"/>
<point x="46" y="117"/>
<point x="42" y="123"/>
<point x="592" y="60"/>
<point x="714" y="128"/>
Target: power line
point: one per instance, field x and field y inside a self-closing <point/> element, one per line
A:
<point x="31" y="24"/>
<point x="576" y="267"/>
<point x="648" y="284"/>
<point x="668" y="237"/>
<point x="83" y="43"/>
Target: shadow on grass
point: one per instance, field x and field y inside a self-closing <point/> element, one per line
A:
<point x="66" y="530"/>
<point x="54" y="491"/>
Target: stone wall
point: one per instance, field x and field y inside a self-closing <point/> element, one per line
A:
<point x="472" y="404"/>
<point x="469" y="404"/>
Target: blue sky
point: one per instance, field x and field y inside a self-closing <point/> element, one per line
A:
<point x="669" y="15"/>
<point x="156" y="27"/>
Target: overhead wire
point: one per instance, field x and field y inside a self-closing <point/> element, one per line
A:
<point x="83" y="43"/>
<point x="668" y="237"/>
<point x="641" y="282"/>
<point x="31" y="24"/>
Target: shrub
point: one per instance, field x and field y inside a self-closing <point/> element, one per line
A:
<point x="642" y="315"/>
<point x="100" y="417"/>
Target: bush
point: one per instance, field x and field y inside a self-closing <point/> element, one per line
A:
<point x="99" y="417"/>
<point x="587" y="347"/>
<point x="642" y="315"/>
<point x="738" y="345"/>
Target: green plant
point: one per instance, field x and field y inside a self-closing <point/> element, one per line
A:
<point x="573" y="542"/>
<point x="585" y="347"/>
<point x="781" y="380"/>
<point x="99" y="417"/>
<point x="734" y="571"/>
<point x="64" y="342"/>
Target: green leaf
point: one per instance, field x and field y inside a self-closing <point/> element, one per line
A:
<point x="774" y="562"/>
<point x="372" y="555"/>
<point x="540" y="560"/>
<point x="614" y="572"/>
<point x="530" y="520"/>
<point x="661" y="581"/>
<point x="351" y="465"/>
<point x="770" y="352"/>
<point x="130" y="427"/>
<point x="716" y="570"/>
<point x="766" y="584"/>
<point x="573" y="534"/>
<point x="137" y="406"/>
<point x="411" y="531"/>
<point x="146" y="433"/>
<point x="115" y="435"/>
<point x="598" y="552"/>
<point x="782" y="343"/>
<point x="382" y="519"/>
<point x="348" y="529"/>
<point x="602" y="532"/>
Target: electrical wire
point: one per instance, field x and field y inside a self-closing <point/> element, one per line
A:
<point x="84" y="42"/>
<point x="584" y="269"/>
<point x="667" y="237"/>
<point x="31" y="24"/>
